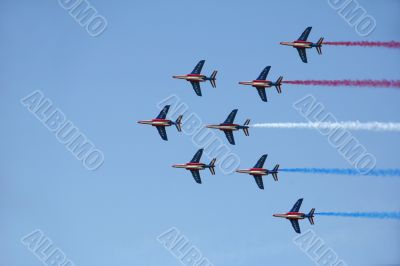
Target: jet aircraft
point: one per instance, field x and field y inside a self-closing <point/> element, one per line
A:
<point x="261" y="83"/>
<point x="196" y="77"/>
<point x="301" y="44"/>
<point x="160" y="122"/>
<point x="194" y="166"/>
<point x="294" y="216"/>
<point x="258" y="171"/>
<point x="228" y="126"/>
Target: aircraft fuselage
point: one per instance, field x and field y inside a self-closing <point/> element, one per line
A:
<point x="258" y="83"/>
<point x="299" y="44"/>
<point x="231" y="127"/>
<point x="192" y="77"/>
<point x="191" y="166"/>
<point x="291" y="215"/>
<point x="157" y="122"/>
<point x="254" y="171"/>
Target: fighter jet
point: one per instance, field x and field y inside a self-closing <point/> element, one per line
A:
<point x="294" y="216"/>
<point x="194" y="166"/>
<point x="160" y="122"/>
<point x="195" y="77"/>
<point x="302" y="44"/>
<point x="228" y="127"/>
<point x="261" y="83"/>
<point x="258" y="171"/>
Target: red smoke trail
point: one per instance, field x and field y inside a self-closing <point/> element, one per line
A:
<point x="347" y="82"/>
<point x="391" y="44"/>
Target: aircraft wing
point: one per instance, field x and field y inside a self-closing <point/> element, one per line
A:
<point x="296" y="206"/>
<point x="263" y="95"/>
<point x="198" y="67"/>
<point x="231" y="117"/>
<point x="259" y="181"/>
<point x="305" y="34"/>
<point x="162" y="132"/>
<point x="196" y="87"/>
<point x="261" y="161"/>
<point x="296" y="226"/>
<point x="263" y="75"/>
<point x="196" y="176"/>
<point x="229" y="136"/>
<point x="303" y="54"/>
<point x="196" y="158"/>
<point x="163" y="112"/>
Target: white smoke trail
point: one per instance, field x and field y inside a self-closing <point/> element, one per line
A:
<point x="351" y="125"/>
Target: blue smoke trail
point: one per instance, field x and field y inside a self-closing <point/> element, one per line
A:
<point x="338" y="171"/>
<point x="371" y="215"/>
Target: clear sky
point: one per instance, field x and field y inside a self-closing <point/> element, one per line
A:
<point x="104" y="85"/>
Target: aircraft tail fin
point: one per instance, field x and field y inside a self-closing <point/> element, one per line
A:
<point x="178" y="123"/>
<point x="311" y="216"/>
<point x="275" y="172"/>
<point x="246" y="129"/>
<point x="319" y="45"/>
<point x="213" y="79"/>
<point x="278" y="84"/>
<point x="212" y="166"/>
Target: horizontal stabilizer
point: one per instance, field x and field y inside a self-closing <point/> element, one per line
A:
<point x="319" y="45"/>
<point x="275" y="172"/>
<point x="178" y="123"/>
<point x="246" y="129"/>
<point x="278" y="84"/>
<point x="212" y="166"/>
<point x="311" y="216"/>
<point x="213" y="79"/>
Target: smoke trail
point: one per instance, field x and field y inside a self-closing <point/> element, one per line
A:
<point x="351" y="125"/>
<point x="347" y="82"/>
<point x="339" y="171"/>
<point x="391" y="44"/>
<point x="373" y="215"/>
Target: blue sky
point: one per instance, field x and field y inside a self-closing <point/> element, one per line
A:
<point x="112" y="216"/>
